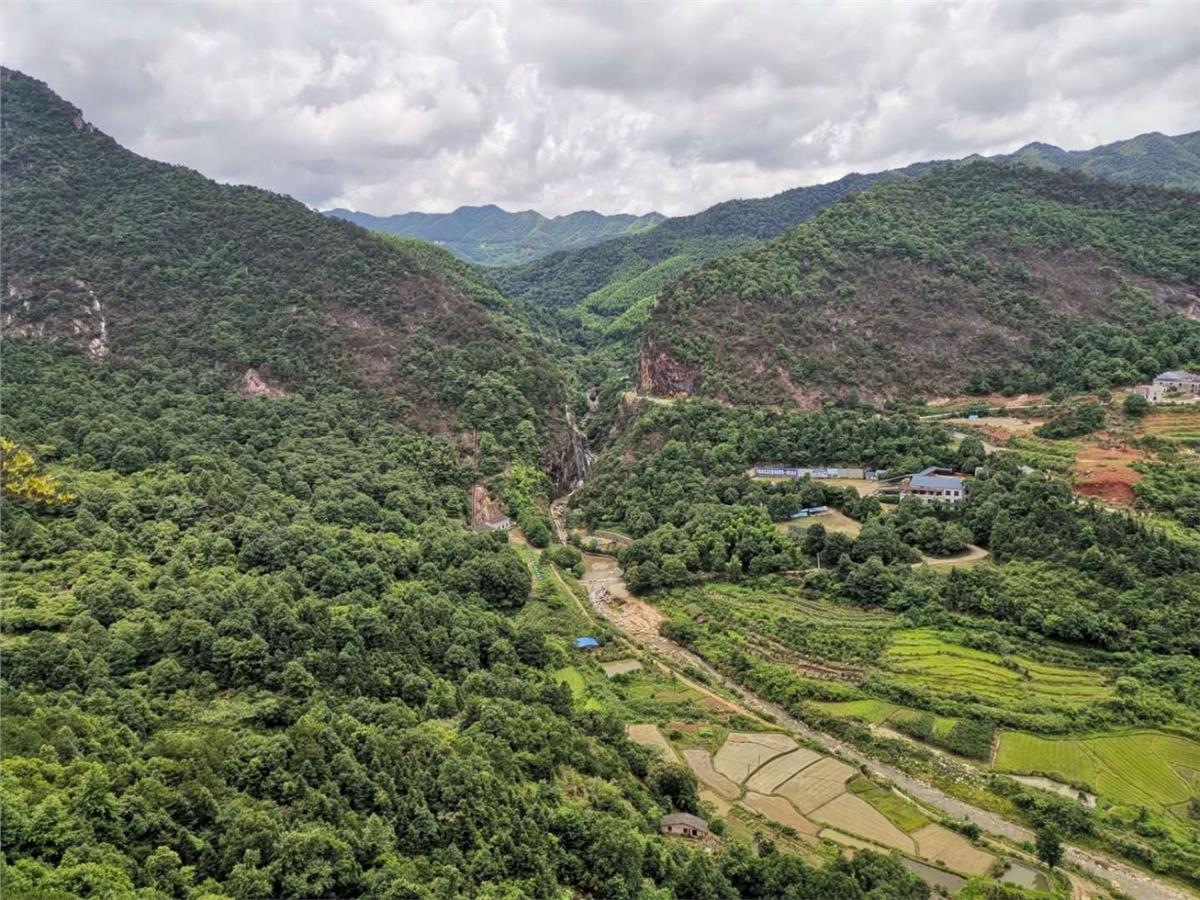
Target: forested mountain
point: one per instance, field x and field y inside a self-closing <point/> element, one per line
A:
<point x="139" y="260"/>
<point x="1159" y="159"/>
<point x="491" y="236"/>
<point x="605" y="292"/>
<point x="1001" y="276"/>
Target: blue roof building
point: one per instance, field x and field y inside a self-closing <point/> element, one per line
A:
<point x="586" y="643"/>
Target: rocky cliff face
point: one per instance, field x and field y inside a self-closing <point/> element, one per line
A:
<point x="659" y="374"/>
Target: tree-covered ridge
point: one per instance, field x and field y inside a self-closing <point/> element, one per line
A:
<point x="1158" y="159"/>
<point x="256" y="654"/>
<point x="491" y="236"/>
<point x="603" y="293"/>
<point x="588" y="291"/>
<point x="141" y="260"/>
<point x="1017" y="277"/>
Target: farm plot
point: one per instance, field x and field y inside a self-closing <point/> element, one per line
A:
<point x="817" y="784"/>
<point x="744" y="753"/>
<point x="780" y="769"/>
<point x="942" y="845"/>
<point x="620" y="667"/>
<point x="700" y="762"/>
<point x="833" y="521"/>
<point x="922" y="659"/>
<point x="778" y="810"/>
<point x="853" y="815"/>
<point x="650" y="736"/>
<point x="1174" y="425"/>
<point x="1144" y="768"/>
<point x="818" y="795"/>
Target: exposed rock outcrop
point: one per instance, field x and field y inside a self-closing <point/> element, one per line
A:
<point x="660" y="374"/>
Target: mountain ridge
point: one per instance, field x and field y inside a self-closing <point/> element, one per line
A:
<point x="490" y="235"/>
<point x="133" y="259"/>
<point x="1013" y="276"/>
<point x="604" y="292"/>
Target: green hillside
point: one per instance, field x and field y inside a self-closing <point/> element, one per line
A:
<point x="1158" y="159"/>
<point x="491" y="236"/>
<point x="1001" y="277"/>
<point x="603" y="294"/>
<point x="139" y="260"/>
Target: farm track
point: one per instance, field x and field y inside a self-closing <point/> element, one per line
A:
<point x="1131" y="881"/>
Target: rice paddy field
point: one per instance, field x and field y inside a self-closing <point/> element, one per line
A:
<point x="1149" y="768"/>
<point x="921" y="658"/>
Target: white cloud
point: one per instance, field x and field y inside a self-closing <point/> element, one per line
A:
<point x="618" y="107"/>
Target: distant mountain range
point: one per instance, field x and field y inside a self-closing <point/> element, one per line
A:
<point x="1153" y="158"/>
<point x="605" y="292"/>
<point x="490" y="236"/>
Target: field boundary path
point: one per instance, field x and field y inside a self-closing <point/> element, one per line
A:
<point x="1131" y="881"/>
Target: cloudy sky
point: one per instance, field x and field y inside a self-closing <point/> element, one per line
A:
<point x="389" y="107"/>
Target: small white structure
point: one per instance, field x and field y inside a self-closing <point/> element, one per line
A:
<point x="681" y="824"/>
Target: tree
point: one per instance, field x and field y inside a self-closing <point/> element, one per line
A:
<point x="1048" y="845"/>
<point x="1136" y="406"/>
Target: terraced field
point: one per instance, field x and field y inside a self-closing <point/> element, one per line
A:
<point x="784" y="618"/>
<point x="921" y="659"/>
<point x="1174" y="425"/>
<point x="1140" y="769"/>
<point x="770" y="775"/>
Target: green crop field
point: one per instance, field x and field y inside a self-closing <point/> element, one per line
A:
<point x="900" y="812"/>
<point x="812" y="628"/>
<point x="922" y="659"/>
<point x="1140" y="769"/>
<point x="869" y="710"/>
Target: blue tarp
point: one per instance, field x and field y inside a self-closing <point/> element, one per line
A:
<point x="586" y="643"/>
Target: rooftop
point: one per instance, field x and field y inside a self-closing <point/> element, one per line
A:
<point x="1177" y="375"/>
<point x="682" y="818"/>
<point x="936" y="482"/>
<point x="586" y="642"/>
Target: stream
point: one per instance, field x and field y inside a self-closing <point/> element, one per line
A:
<point x="1131" y="881"/>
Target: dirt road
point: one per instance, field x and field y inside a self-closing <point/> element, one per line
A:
<point x="638" y="621"/>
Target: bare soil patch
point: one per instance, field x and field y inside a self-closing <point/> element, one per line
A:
<point x="938" y="844"/>
<point x="853" y="814"/>
<point x="699" y="762"/>
<point x="816" y="784"/>
<point x="650" y="736"/>
<point x="1106" y="473"/>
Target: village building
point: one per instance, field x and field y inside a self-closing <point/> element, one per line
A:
<point x="1168" y="385"/>
<point x="1179" y="382"/>
<point x="680" y="824"/>
<point x="585" y="644"/>
<point x="931" y="486"/>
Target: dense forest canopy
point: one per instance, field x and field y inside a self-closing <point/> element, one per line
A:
<point x="141" y="260"/>
<point x="253" y="646"/>
<point x="978" y="275"/>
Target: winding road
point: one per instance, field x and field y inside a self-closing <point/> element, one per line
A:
<point x="606" y="581"/>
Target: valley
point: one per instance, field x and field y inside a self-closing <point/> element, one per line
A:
<point x="841" y="543"/>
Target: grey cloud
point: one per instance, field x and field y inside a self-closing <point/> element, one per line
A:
<point x="613" y="106"/>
